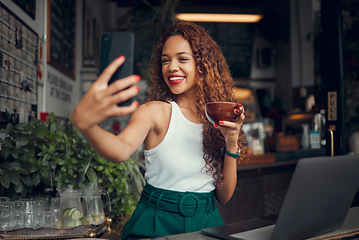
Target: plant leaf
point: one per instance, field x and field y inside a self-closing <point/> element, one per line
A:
<point x="19" y="187"/>
<point x="100" y="168"/>
<point x="21" y="126"/>
<point x="44" y="172"/>
<point x="14" y="152"/>
<point x="5" y="152"/>
<point x="9" y="127"/>
<point x="14" y="165"/>
<point x="61" y="162"/>
<point x="29" y="152"/>
<point x="52" y="146"/>
<point x="24" y="140"/>
<point x="23" y="171"/>
<point x="27" y="180"/>
<point x="5" y="180"/>
<point x="36" y="178"/>
<point x="15" y="177"/>
<point x="40" y="131"/>
<point x="53" y="127"/>
<point x="53" y="165"/>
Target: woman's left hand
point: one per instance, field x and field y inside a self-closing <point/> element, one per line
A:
<point x="231" y="130"/>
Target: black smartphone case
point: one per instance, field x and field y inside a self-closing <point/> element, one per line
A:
<point x="113" y="45"/>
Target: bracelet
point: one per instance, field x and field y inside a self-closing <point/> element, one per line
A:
<point x="235" y="155"/>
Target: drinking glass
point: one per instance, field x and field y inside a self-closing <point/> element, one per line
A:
<point x="40" y="208"/>
<point x="41" y="204"/>
<point x="6" y="217"/>
<point x="46" y="201"/>
<point x="55" y="206"/>
<point x="29" y="212"/>
<point x="48" y="219"/>
<point x="18" y="214"/>
<point x="4" y="199"/>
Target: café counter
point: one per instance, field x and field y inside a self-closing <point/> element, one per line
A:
<point x="278" y="158"/>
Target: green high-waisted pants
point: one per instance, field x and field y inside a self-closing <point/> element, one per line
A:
<point x="162" y="212"/>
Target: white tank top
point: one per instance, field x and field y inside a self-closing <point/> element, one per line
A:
<point x="177" y="162"/>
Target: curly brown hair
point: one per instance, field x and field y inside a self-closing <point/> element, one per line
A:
<point x="214" y="84"/>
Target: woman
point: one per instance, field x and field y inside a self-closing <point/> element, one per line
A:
<point x="185" y="167"/>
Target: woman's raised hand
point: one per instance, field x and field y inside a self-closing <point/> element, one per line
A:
<point x="100" y="101"/>
<point x="231" y="130"/>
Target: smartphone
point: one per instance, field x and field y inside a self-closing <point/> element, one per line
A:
<point x="113" y="45"/>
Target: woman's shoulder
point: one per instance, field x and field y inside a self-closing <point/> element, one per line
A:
<point x="156" y="114"/>
<point x="156" y="105"/>
<point x="155" y="108"/>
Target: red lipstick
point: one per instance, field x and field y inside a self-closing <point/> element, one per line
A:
<point x="175" y="79"/>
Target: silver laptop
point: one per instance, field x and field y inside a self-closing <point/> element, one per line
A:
<point x="319" y="196"/>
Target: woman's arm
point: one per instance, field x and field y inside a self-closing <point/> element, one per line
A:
<point x="225" y="189"/>
<point x="100" y="103"/>
<point x="118" y="148"/>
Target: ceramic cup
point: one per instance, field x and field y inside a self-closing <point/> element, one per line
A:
<point x="226" y="111"/>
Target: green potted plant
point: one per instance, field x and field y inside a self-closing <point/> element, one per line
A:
<point x="37" y="157"/>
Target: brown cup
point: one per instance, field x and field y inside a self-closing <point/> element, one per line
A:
<point x="226" y="111"/>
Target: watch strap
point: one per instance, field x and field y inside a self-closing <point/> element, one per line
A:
<point x="235" y="155"/>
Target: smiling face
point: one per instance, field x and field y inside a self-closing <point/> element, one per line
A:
<point x="178" y="65"/>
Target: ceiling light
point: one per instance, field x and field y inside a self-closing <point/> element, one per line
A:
<point x="213" y="17"/>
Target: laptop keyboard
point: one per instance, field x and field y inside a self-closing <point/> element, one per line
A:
<point x="255" y="234"/>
